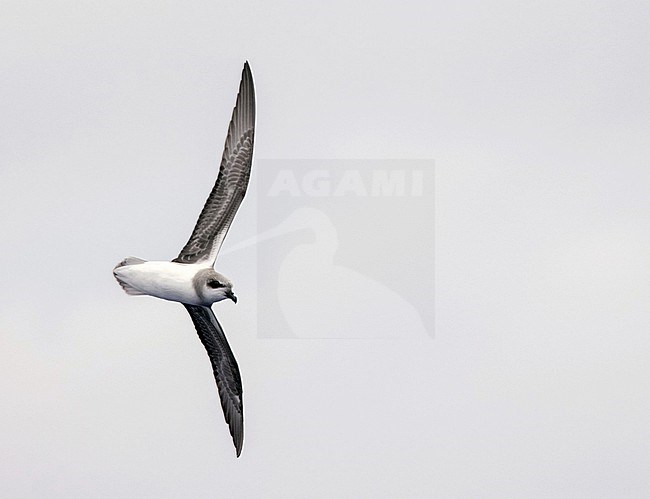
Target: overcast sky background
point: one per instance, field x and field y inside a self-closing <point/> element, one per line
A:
<point x="113" y="116"/>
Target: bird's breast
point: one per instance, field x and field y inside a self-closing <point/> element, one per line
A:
<point x="167" y="280"/>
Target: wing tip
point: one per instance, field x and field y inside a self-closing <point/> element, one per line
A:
<point x="243" y="115"/>
<point x="246" y="73"/>
<point x="237" y="433"/>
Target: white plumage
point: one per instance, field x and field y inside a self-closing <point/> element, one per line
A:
<point x="190" y="278"/>
<point x="167" y="280"/>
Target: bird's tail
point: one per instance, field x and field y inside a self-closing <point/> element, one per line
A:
<point x="127" y="262"/>
<point x="130" y="260"/>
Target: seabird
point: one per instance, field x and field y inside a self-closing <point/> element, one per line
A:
<point x="190" y="278"/>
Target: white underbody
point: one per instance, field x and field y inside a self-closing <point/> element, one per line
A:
<point x="167" y="280"/>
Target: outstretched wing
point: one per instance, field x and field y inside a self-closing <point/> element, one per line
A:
<point x="226" y="372"/>
<point x="232" y="181"/>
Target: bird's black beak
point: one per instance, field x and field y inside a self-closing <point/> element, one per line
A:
<point x="231" y="295"/>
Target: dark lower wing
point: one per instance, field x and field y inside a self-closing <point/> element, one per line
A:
<point x="226" y="372"/>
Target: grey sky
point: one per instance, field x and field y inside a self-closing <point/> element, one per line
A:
<point x="535" y="384"/>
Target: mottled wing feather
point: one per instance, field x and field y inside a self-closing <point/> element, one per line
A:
<point x="224" y="366"/>
<point x="232" y="181"/>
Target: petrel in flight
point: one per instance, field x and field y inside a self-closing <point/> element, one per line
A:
<point x="190" y="278"/>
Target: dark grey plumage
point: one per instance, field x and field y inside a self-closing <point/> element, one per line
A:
<point x="205" y="242"/>
<point x="198" y="286"/>
<point x="224" y="366"/>
<point x="232" y="181"/>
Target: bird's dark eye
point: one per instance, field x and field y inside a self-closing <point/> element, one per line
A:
<point x="215" y="284"/>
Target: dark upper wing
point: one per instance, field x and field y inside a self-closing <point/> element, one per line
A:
<point x="231" y="184"/>
<point x="226" y="372"/>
